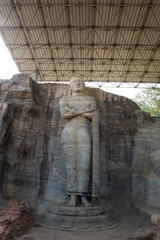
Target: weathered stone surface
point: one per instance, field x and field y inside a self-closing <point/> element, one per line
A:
<point x="155" y="220"/>
<point x="155" y="162"/>
<point x="145" y="183"/>
<point x="30" y="151"/>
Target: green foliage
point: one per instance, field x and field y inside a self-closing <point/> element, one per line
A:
<point x="149" y="101"/>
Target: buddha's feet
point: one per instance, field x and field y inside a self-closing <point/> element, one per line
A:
<point x="72" y="200"/>
<point x="85" y="202"/>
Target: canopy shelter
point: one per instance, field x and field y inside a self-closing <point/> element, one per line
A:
<point x="101" y="40"/>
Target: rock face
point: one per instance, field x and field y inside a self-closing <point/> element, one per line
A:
<point x="32" y="168"/>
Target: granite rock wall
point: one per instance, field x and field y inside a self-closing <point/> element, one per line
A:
<point x="32" y="168"/>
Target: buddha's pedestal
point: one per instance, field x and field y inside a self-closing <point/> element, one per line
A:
<point x="76" y="218"/>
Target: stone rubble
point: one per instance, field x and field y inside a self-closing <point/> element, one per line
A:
<point x="14" y="220"/>
<point x="156" y="226"/>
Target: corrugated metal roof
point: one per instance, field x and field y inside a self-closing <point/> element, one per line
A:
<point x="101" y="40"/>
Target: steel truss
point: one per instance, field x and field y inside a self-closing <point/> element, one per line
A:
<point x="103" y="42"/>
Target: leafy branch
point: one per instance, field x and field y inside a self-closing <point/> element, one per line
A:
<point x="149" y="101"/>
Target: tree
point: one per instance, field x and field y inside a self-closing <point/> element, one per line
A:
<point x="149" y="101"/>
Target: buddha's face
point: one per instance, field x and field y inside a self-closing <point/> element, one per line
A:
<point x="77" y="85"/>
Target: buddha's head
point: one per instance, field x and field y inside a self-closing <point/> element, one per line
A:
<point x="76" y="84"/>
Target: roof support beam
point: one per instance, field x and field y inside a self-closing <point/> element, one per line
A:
<point x="18" y="4"/>
<point x="18" y="14"/>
